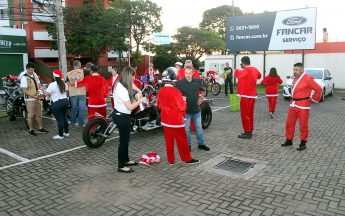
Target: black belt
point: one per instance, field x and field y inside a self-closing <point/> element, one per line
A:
<point x="299" y="99"/>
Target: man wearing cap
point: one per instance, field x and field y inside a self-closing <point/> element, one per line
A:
<point x="30" y="84"/>
<point x="247" y="79"/>
<point x="227" y="75"/>
<point x="77" y="95"/>
<point x="98" y="90"/>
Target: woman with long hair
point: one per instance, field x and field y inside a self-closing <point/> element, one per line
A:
<point x="59" y="103"/>
<point x="272" y="82"/>
<point x="124" y="104"/>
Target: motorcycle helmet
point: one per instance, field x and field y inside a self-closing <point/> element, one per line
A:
<point x="169" y="74"/>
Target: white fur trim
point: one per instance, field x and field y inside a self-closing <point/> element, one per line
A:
<point x="97" y="105"/>
<point x="249" y="96"/>
<point x="272" y="95"/>
<point x="172" y="126"/>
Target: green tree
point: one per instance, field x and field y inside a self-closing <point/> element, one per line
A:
<point x="194" y="43"/>
<point x="215" y="19"/>
<point x="89" y="30"/>
<point x="164" y="60"/>
<point x="136" y="57"/>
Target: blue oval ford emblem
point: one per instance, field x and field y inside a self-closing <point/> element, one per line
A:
<point x="296" y="20"/>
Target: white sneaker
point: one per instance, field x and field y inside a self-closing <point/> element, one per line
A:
<point x="66" y="134"/>
<point x="58" y="137"/>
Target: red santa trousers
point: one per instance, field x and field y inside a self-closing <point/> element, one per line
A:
<point x="247" y="113"/>
<point x="272" y="102"/>
<point x="100" y="110"/>
<point x="303" y="117"/>
<point x="112" y="102"/>
<point x="182" y="143"/>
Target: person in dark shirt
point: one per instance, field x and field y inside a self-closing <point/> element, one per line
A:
<point x="189" y="87"/>
<point x="227" y="75"/>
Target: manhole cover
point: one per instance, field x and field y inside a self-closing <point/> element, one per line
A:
<point x="234" y="166"/>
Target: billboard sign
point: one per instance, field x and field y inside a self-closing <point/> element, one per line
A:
<point x="283" y="30"/>
<point x="161" y="38"/>
<point x="13" y="44"/>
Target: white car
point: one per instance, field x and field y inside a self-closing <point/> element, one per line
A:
<point x="321" y="76"/>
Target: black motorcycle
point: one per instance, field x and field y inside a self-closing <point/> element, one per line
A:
<point x="13" y="99"/>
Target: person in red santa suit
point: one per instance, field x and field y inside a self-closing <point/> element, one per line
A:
<point x="302" y="86"/>
<point x="272" y="82"/>
<point x="181" y="74"/>
<point x="247" y="79"/>
<point x="173" y="105"/>
<point x="112" y="81"/>
<point x="151" y="73"/>
<point x="178" y="66"/>
<point x="98" y="91"/>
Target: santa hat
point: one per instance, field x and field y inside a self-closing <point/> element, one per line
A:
<point x="150" y="158"/>
<point x="57" y="73"/>
<point x="179" y="63"/>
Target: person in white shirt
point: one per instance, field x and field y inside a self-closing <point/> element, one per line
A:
<point x="123" y="102"/>
<point x="59" y="102"/>
<point x="30" y="84"/>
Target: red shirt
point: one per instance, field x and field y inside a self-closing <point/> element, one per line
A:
<point x="97" y="89"/>
<point x="272" y="84"/>
<point x="247" y="79"/>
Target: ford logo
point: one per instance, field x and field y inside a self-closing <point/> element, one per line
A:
<point x="294" y="20"/>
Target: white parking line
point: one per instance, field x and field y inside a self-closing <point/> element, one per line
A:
<point x="13" y="155"/>
<point x="43" y="157"/>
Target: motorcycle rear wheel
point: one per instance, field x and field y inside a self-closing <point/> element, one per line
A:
<point x="206" y="115"/>
<point x="92" y="137"/>
<point x="46" y="108"/>
<point x="11" y="117"/>
<point x="215" y="88"/>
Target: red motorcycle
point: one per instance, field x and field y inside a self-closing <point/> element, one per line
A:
<point x="210" y="79"/>
<point x="144" y="117"/>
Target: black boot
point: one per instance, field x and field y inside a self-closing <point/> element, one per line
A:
<point x="287" y="143"/>
<point x="302" y="146"/>
<point x="246" y="135"/>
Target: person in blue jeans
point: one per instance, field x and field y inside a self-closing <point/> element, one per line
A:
<point x="189" y="87"/>
<point x="59" y="103"/>
<point x="77" y="95"/>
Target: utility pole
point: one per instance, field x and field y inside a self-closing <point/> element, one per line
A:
<point x="61" y="38"/>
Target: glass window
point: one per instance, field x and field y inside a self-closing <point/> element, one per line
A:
<point x="316" y="74"/>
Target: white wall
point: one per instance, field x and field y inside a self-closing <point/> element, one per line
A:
<point x="284" y="64"/>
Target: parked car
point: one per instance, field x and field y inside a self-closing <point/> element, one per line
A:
<point x="321" y="76"/>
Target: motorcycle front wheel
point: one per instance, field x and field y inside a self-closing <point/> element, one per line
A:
<point x="92" y="133"/>
<point x="11" y="117"/>
<point x="25" y="115"/>
<point x="215" y="88"/>
<point x="206" y="115"/>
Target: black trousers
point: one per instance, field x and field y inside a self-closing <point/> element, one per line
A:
<point x="123" y="123"/>
<point x="228" y="81"/>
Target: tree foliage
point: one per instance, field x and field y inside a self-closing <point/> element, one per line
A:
<point x="194" y="43"/>
<point x="164" y="60"/>
<point x="215" y="19"/>
<point x="144" y="18"/>
<point x="91" y="29"/>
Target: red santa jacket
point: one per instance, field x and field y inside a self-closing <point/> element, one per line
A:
<point x="97" y="89"/>
<point x="152" y="73"/>
<point x="272" y="84"/>
<point x="302" y="89"/>
<point x="112" y="81"/>
<point x="170" y="100"/>
<point x="247" y="82"/>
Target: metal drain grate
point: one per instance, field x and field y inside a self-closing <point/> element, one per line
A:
<point x="233" y="165"/>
